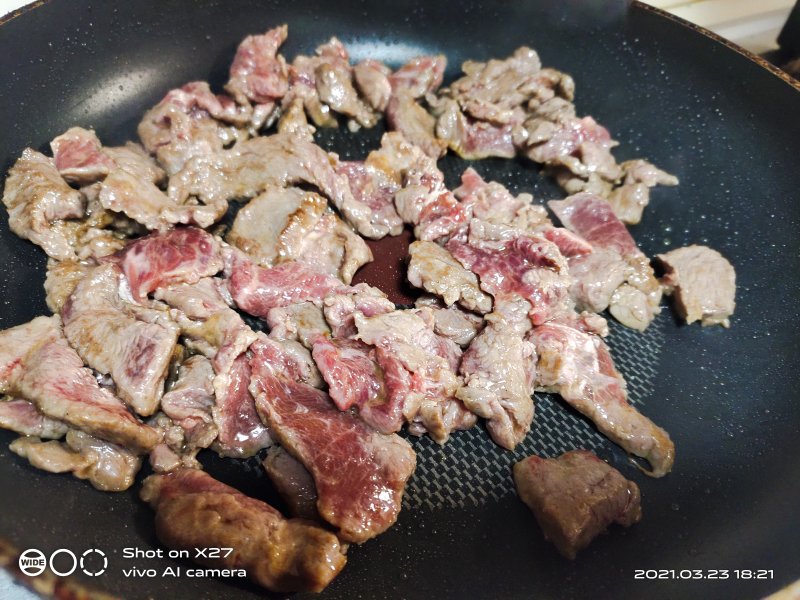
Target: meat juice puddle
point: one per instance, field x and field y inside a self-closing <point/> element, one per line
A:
<point x="387" y="271"/>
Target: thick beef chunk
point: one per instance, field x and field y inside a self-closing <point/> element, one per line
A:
<point x="575" y="497"/>
<point x="702" y="282"/>
<point x="194" y="510"/>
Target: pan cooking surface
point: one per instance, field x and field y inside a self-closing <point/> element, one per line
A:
<point x="729" y="129"/>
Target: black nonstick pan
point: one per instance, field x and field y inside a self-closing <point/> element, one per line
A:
<point x="724" y="524"/>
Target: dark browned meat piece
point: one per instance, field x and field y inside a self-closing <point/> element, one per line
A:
<point x="38" y="200"/>
<point x="193" y="510"/>
<point x="702" y="282"/>
<point x="37" y="364"/>
<point x="294" y="483"/>
<point x="575" y="497"/>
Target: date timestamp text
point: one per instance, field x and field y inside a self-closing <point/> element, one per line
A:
<point x="743" y="574"/>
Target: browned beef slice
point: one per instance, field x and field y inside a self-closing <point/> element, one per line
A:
<point x="193" y="510"/>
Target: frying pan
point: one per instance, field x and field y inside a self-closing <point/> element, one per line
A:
<point x="727" y="126"/>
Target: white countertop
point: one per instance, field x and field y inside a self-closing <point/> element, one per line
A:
<point x="6" y="6"/>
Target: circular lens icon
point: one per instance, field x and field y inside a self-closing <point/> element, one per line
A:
<point x="71" y="569"/>
<point x="94" y="558"/>
<point x="32" y="562"/>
